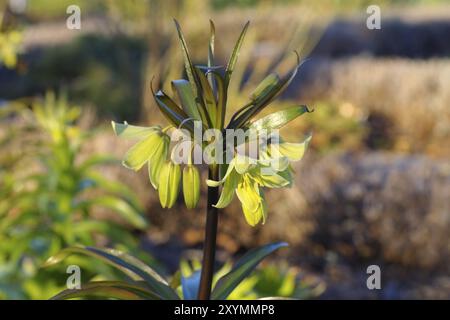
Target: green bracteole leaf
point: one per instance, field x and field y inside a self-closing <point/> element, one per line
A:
<point x="109" y="290"/>
<point x="265" y="87"/>
<point x="209" y="100"/>
<point x="261" y="102"/>
<point x="189" y="66"/>
<point x="131" y="266"/>
<point x="187" y="98"/>
<point x="279" y="119"/>
<point x="211" y="54"/>
<point x="171" y="110"/>
<point x="235" y="54"/>
<point x="192" y="76"/>
<point x="242" y="269"/>
<point x="221" y="98"/>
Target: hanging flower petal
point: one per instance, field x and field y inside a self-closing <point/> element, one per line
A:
<point x="228" y="190"/>
<point x="157" y="159"/>
<point x="139" y="154"/>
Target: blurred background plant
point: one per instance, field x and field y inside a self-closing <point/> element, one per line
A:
<point x="374" y="190"/>
<point x="52" y="196"/>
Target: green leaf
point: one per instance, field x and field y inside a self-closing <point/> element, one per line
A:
<point x="190" y="285"/>
<point x="128" y="264"/>
<point x="109" y="290"/>
<point x="189" y="66"/>
<point x="211" y="54"/>
<point x="123" y="208"/>
<point x="187" y="98"/>
<point x="235" y="54"/>
<point x="95" y="161"/>
<point x="221" y="98"/>
<point x="171" y="110"/>
<point x="242" y="269"/>
<point x="255" y="107"/>
<point x="124" y="130"/>
<point x="209" y="101"/>
<point x="278" y="119"/>
<point x="265" y="87"/>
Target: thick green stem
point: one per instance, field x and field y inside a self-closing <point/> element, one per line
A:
<point x="209" y="249"/>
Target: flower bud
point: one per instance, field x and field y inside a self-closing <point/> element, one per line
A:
<point x="169" y="184"/>
<point x="191" y="186"/>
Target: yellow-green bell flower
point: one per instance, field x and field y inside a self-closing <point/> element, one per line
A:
<point x="169" y="184"/>
<point x="157" y="159"/>
<point x="249" y="195"/>
<point x="247" y="176"/>
<point x="191" y="186"/>
<point x="152" y="148"/>
<point x="292" y="151"/>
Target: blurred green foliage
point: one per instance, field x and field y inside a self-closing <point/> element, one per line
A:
<point x="51" y="198"/>
<point x="336" y="126"/>
<point x="268" y="280"/>
<point x="111" y="82"/>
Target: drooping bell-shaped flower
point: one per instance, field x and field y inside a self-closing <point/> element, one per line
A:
<point x="191" y="186"/>
<point x="169" y="184"/>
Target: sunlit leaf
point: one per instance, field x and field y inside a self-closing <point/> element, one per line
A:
<point x="187" y="98"/>
<point x="130" y="265"/>
<point x="235" y="54"/>
<point x="242" y="269"/>
<point x="279" y="119"/>
<point x="109" y="290"/>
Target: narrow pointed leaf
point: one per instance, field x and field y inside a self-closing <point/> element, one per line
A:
<point x="108" y="290"/>
<point x="242" y="269"/>
<point x="235" y="54"/>
<point x="279" y="119"/>
<point x="265" y="87"/>
<point x="211" y="54"/>
<point x="170" y="109"/>
<point x="209" y="99"/>
<point x="129" y="265"/>
<point x="121" y="207"/>
<point x="187" y="98"/>
<point x="189" y="66"/>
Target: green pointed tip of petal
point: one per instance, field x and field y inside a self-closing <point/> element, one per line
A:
<point x="213" y="183"/>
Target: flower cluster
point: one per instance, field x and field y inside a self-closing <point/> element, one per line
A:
<point x="203" y="99"/>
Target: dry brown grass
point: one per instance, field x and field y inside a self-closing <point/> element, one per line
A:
<point x="413" y="95"/>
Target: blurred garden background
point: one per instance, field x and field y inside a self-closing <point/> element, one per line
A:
<point x="374" y="188"/>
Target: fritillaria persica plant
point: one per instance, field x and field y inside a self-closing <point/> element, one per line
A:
<point x="199" y="110"/>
